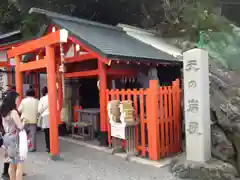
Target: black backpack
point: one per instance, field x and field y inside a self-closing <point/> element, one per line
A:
<point x="2" y="132"/>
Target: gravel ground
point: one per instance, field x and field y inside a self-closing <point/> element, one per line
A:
<point x="82" y="163"/>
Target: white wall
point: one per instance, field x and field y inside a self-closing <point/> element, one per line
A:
<point x="42" y="81"/>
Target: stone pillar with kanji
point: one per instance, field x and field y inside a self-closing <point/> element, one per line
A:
<point x="197" y="105"/>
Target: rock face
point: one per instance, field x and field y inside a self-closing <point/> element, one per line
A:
<point x="222" y="147"/>
<point x="225" y="105"/>
<point x="225" y="110"/>
<point x="212" y="170"/>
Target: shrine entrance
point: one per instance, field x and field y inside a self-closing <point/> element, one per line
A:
<point x="47" y="63"/>
<point x="68" y="52"/>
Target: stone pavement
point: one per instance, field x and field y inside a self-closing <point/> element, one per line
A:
<point x="83" y="163"/>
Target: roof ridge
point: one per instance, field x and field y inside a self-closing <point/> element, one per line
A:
<point x="135" y="29"/>
<point x="72" y="18"/>
<point x="12" y="33"/>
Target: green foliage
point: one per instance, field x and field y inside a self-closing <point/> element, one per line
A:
<point x="224" y="48"/>
<point x="219" y="36"/>
<point x="201" y="15"/>
<point x="14" y="13"/>
<point x="189" y="17"/>
<point x="31" y="25"/>
<point x="10" y="16"/>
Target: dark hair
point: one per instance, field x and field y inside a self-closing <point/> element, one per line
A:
<point x="30" y="92"/>
<point x="13" y="88"/>
<point x="9" y="103"/>
<point x="44" y="91"/>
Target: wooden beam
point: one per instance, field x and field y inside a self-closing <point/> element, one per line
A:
<point x="122" y="72"/>
<point x="33" y="65"/>
<point x="52" y="101"/>
<point x="9" y="75"/>
<point x="4" y="64"/>
<point x="50" y="39"/>
<point x="152" y="111"/>
<point x="18" y="78"/>
<point x="104" y="60"/>
<point x="36" y="84"/>
<point x="102" y="94"/>
<point x="83" y="57"/>
<point x="90" y="73"/>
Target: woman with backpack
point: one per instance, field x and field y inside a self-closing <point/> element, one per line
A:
<point x="12" y="125"/>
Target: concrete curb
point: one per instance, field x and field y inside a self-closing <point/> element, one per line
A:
<point x="157" y="164"/>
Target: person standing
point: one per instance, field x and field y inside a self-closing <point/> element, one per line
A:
<point x="28" y="109"/>
<point x="6" y="164"/>
<point x="44" y="116"/>
<point x="12" y="125"/>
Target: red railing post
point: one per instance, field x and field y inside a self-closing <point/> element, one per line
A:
<point x="108" y="99"/>
<point x="178" y="113"/>
<point x="153" y="124"/>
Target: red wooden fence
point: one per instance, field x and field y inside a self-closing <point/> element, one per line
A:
<point x="158" y="112"/>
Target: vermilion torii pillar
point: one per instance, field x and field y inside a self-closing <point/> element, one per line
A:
<point x="18" y="77"/>
<point x="48" y="62"/>
<point x="52" y="100"/>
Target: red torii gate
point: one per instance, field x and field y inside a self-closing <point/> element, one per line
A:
<point x="4" y="48"/>
<point x="48" y="62"/>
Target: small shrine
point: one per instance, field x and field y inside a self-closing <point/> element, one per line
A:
<point x="92" y="74"/>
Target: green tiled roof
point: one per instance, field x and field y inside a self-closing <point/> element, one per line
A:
<point x="108" y="41"/>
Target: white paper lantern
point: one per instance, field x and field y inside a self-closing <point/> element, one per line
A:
<point x="98" y="84"/>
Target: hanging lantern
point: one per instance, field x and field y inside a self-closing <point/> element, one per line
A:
<point x="122" y="80"/>
<point x="125" y="80"/>
<point x="98" y="84"/>
<point x="62" y="68"/>
<point x="53" y="29"/>
<point x="77" y="47"/>
<point x="133" y="79"/>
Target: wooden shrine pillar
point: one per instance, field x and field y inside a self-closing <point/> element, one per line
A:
<point x="18" y="78"/>
<point x="60" y="93"/>
<point x="52" y="94"/>
<point x="103" y="105"/>
<point x="9" y="75"/>
<point x="36" y="84"/>
<point x="153" y="125"/>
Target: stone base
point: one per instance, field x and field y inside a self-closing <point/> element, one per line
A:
<point x="56" y="157"/>
<point x="62" y="129"/>
<point x="212" y="170"/>
<point x="103" y="138"/>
